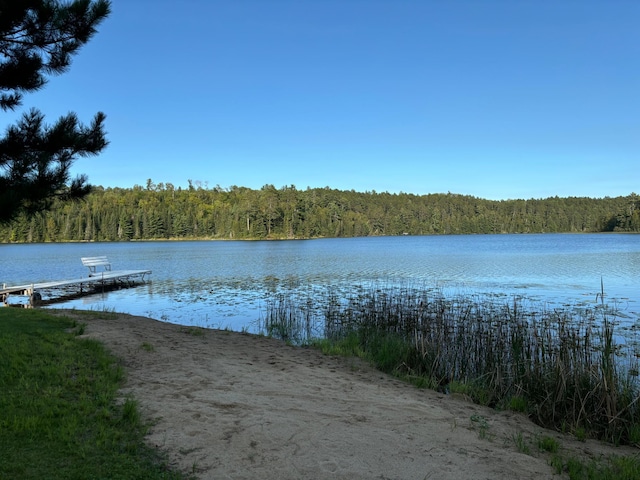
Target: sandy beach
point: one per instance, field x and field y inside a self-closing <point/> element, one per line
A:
<point x="228" y="405"/>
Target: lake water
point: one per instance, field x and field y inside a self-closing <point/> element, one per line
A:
<point x="227" y="284"/>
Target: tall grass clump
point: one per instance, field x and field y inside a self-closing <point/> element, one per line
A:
<point x="289" y="320"/>
<point x="561" y="367"/>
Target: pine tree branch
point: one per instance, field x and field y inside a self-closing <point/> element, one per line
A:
<point x="36" y="38"/>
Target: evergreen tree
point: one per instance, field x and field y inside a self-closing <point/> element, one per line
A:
<point x="38" y="38"/>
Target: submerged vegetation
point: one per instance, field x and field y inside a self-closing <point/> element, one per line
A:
<point x="563" y="368"/>
<point x="162" y="211"/>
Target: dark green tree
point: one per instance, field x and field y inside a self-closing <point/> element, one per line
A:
<point x="38" y="39"/>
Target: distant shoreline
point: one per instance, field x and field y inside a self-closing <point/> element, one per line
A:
<point x="212" y="239"/>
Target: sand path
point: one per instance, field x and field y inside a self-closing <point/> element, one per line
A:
<point x="236" y="406"/>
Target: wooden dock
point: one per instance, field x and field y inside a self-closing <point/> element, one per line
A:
<point x="105" y="280"/>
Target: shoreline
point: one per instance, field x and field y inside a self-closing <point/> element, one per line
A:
<point x="225" y="404"/>
<point x="280" y="239"/>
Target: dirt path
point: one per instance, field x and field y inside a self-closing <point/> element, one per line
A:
<point x="236" y="406"/>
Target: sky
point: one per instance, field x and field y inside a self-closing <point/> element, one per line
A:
<point x="494" y="99"/>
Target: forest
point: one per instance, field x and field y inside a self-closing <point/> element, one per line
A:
<point x="162" y="211"/>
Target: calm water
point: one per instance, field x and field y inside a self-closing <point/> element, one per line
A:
<point x="227" y="284"/>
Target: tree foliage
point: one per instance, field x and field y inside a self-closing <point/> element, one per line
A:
<point x="37" y="39"/>
<point x="161" y="211"/>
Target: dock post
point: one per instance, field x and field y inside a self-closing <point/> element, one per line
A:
<point x="35" y="299"/>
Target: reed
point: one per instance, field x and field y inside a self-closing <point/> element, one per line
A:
<point x="289" y="320"/>
<point x="560" y="366"/>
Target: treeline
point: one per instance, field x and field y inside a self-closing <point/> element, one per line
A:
<point x="161" y="211"/>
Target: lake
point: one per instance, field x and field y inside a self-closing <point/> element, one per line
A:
<point x="227" y="284"/>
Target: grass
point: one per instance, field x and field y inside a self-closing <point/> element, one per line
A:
<point x="60" y="415"/>
<point x="194" y="331"/>
<point x="548" y="444"/>
<point x="480" y="423"/>
<point x="618" y="468"/>
<point x="521" y="443"/>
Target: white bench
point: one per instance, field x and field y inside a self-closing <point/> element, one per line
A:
<point x="93" y="262"/>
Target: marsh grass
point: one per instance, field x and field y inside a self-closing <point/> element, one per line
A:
<point x="289" y="320"/>
<point x="59" y="414"/>
<point x="561" y="367"/>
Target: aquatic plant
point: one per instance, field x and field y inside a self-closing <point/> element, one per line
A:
<point x="289" y="320"/>
<point x="562" y="367"/>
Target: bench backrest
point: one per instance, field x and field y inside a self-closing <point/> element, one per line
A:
<point x="93" y="262"/>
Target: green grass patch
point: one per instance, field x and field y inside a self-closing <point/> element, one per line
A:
<point x="616" y="468"/>
<point x="548" y="444"/>
<point x="194" y="331"/>
<point x="347" y="346"/>
<point x="518" y="404"/>
<point x="59" y="414"/>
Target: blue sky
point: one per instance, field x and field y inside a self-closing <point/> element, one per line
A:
<point x="495" y="99"/>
